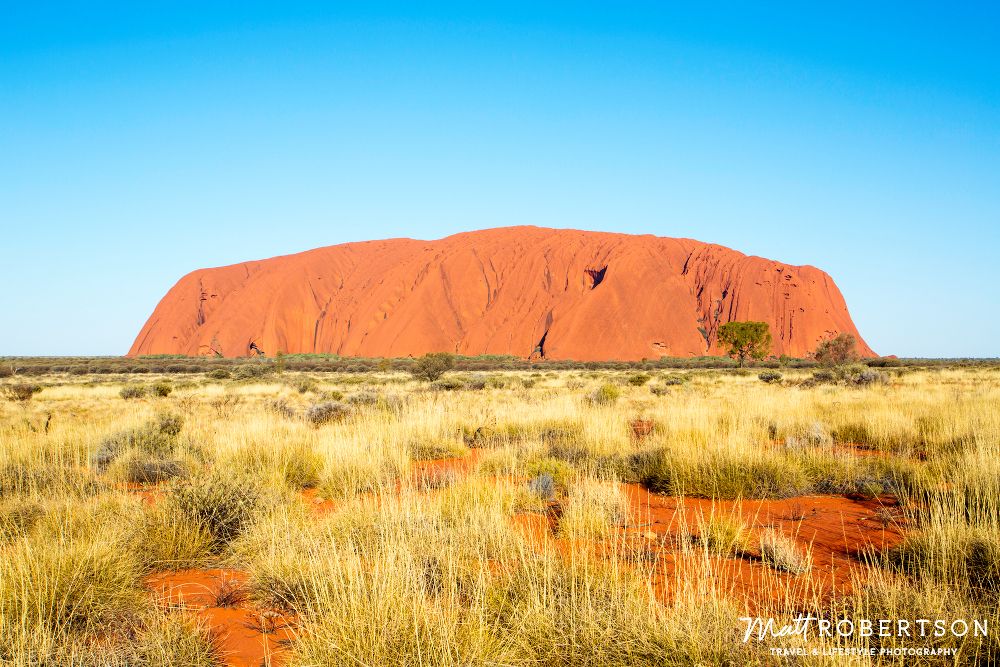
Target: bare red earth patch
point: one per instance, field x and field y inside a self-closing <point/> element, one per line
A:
<point x="245" y="635"/>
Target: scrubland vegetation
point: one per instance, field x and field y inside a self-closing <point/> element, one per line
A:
<point x="554" y="517"/>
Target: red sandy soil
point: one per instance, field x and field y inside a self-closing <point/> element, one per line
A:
<point x="523" y="291"/>
<point x="838" y="532"/>
<point x="244" y="635"/>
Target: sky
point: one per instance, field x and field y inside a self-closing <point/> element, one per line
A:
<point x="140" y="141"/>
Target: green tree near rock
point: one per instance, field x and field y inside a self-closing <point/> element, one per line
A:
<point x="837" y="351"/>
<point x="432" y="365"/>
<point x="746" y="340"/>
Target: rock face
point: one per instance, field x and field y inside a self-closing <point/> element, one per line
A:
<point x="523" y="291"/>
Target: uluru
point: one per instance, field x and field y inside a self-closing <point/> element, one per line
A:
<point x="525" y="291"/>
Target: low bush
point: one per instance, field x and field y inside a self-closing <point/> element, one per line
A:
<point x="20" y="392"/>
<point x="252" y="371"/>
<point x="606" y="394"/>
<point x="426" y="448"/>
<point x="770" y="377"/>
<point x="156" y="438"/>
<point x="223" y="503"/>
<point x="132" y="391"/>
<point x="364" y="397"/>
<point x="808" y="435"/>
<point x="560" y="472"/>
<point x="139" y="468"/>
<point x="824" y="377"/>
<point x="161" y="389"/>
<point x="326" y="412"/>
<point x="870" y="376"/>
<point x="638" y="379"/>
<point x="476" y="382"/>
<point x="448" y="384"/>
<point x="280" y="407"/>
<point x="306" y="385"/>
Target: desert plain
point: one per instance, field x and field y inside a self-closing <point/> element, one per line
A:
<point x="255" y="513"/>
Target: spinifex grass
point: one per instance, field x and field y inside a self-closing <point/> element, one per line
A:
<point x="334" y="519"/>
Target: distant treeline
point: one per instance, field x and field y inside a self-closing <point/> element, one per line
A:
<point x="329" y="363"/>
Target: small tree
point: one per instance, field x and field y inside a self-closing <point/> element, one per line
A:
<point x="746" y="340"/>
<point x="433" y="365"/>
<point x="837" y="351"/>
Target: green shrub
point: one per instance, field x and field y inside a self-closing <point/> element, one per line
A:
<point x="156" y="438"/>
<point x="225" y="504"/>
<point x="824" y="377"/>
<point x="837" y="351"/>
<point x="306" y="385"/>
<point x="252" y="371"/>
<point x="432" y="366"/>
<point x="220" y="374"/>
<point x="870" y="376"/>
<point x="448" y="384"/>
<point x="638" y="379"/>
<point x="561" y="472"/>
<point x="326" y="412"/>
<point x="131" y="391"/>
<point x="161" y="389"/>
<point x="139" y="468"/>
<point x="476" y="382"/>
<point x="770" y="377"/>
<point x="606" y="394"/>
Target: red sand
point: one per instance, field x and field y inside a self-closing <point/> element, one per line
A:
<point x="523" y="291"/>
<point x="245" y="635"/>
<point x="838" y="532"/>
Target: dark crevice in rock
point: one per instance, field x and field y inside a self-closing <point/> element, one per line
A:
<point x="540" y="348"/>
<point x="596" y="276"/>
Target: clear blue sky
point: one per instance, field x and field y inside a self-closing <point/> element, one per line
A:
<point x="143" y="140"/>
